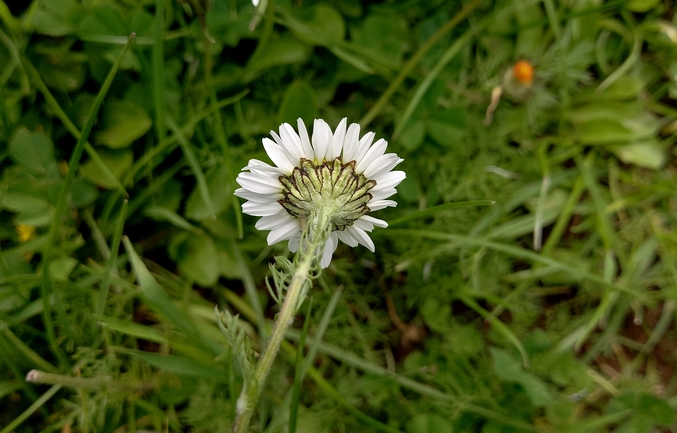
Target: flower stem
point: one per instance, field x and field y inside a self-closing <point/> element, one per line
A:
<point x="317" y="232"/>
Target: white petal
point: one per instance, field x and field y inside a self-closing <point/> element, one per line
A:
<point x="351" y="142"/>
<point x="329" y="249"/>
<point x="321" y="138"/>
<point x="308" y="152"/>
<point x="294" y="244"/>
<point x="364" y="145"/>
<point x="388" y="180"/>
<point x="261" y="209"/>
<point x="277" y="155"/>
<point x="380" y="195"/>
<point x="375" y="221"/>
<point x="274" y="221"/>
<point x="375" y="205"/>
<point x="336" y="145"/>
<point x="364" y="225"/>
<point x="374" y="152"/>
<point x="254" y="196"/>
<point x="286" y="231"/>
<point x="345" y="237"/>
<point x="265" y="170"/>
<point x="292" y="140"/>
<point x="362" y="237"/>
<point x="259" y="184"/>
<point x="255" y="2"/>
<point x="381" y="165"/>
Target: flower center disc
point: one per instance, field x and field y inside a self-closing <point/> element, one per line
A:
<point x="331" y="186"/>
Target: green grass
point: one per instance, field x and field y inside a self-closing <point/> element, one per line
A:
<point x="527" y="281"/>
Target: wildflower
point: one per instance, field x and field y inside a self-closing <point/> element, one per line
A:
<point x="25" y="232"/>
<point x="523" y="72"/>
<point x="337" y="173"/>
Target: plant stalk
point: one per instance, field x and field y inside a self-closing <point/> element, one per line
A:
<point x="318" y="231"/>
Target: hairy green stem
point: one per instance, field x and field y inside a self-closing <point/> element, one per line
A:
<point x="318" y="229"/>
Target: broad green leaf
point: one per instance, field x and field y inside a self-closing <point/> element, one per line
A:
<point x="659" y="410"/>
<point x="613" y="122"/>
<point x="57" y="17"/>
<point x="30" y="201"/>
<point x="122" y="123"/>
<point x="62" y="268"/>
<point x="104" y="19"/>
<point x="624" y="88"/>
<point x="198" y="260"/>
<point x="318" y="25"/>
<point x="117" y="161"/>
<point x="510" y="369"/>
<point x="83" y="193"/>
<point x="649" y="154"/>
<point x="283" y="51"/>
<point x="299" y="100"/>
<point x="219" y="193"/>
<point x="384" y="37"/>
<point x="412" y="135"/>
<point x="131" y="328"/>
<point x="447" y="127"/>
<point x="35" y="151"/>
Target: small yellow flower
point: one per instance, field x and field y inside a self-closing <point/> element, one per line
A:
<point x="25" y="232"/>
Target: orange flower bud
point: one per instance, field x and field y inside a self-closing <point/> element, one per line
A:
<point x="523" y="72"/>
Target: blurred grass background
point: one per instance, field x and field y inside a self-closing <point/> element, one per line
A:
<point x="552" y="310"/>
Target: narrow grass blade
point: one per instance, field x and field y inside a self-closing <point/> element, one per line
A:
<point x="47" y="287"/>
<point x="176" y="364"/>
<point x="111" y="265"/>
<point x="130" y="328"/>
<point x="448" y="55"/>
<point x="409" y="66"/>
<point x="70" y="126"/>
<point x="499" y="326"/>
<point x="22" y="349"/>
<point x="172" y="217"/>
<point x="516" y="252"/>
<point x="155" y="295"/>
<point x="193" y="164"/>
<point x="31" y="409"/>
<point x="159" y="70"/>
<point x="435" y="209"/>
<point x="298" y="368"/>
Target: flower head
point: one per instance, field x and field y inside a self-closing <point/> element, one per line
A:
<point x="338" y="173"/>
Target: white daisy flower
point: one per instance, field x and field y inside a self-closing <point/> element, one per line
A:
<point x="338" y="171"/>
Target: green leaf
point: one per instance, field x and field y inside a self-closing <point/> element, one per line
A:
<point x="642" y="5"/>
<point x="155" y="295"/>
<point x="318" y="25"/>
<point x="429" y="423"/>
<point x="412" y="135"/>
<point x="219" y="193"/>
<point x="658" y="409"/>
<point x="177" y="364"/>
<point x="447" y="127"/>
<point x="57" y="17"/>
<point x="509" y="369"/>
<point x="198" y="260"/>
<point x="62" y="268"/>
<point x="383" y="37"/>
<point x="122" y="123"/>
<point x="83" y="193"/>
<point x="159" y="213"/>
<point x="35" y="151"/>
<point x="299" y="100"/>
<point x="613" y="122"/>
<point x="117" y="161"/>
<point x="649" y="154"/>
<point x="283" y="51"/>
